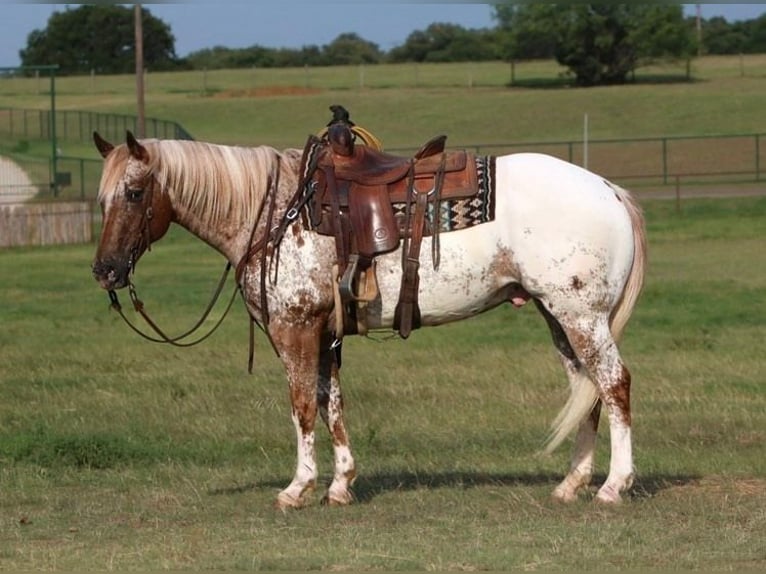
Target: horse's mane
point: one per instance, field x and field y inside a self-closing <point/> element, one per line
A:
<point x="214" y="181"/>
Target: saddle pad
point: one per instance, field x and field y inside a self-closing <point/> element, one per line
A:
<point x="457" y="214"/>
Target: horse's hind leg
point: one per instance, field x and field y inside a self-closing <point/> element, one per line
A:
<point x="330" y="402"/>
<point x="594" y="348"/>
<point x="582" y="464"/>
<point x="581" y="468"/>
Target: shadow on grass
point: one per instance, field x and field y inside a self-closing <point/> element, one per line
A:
<point x="366" y="488"/>
<point x="561" y="82"/>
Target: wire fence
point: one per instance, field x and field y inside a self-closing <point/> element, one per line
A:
<point x="631" y="162"/>
<point x="78" y="126"/>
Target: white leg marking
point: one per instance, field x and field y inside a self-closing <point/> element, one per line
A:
<point x="345" y="468"/>
<point x="306" y="472"/>
<point x="621" y="465"/>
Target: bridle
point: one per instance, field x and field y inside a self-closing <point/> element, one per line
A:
<point x="271" y="234"/>
<point x="145" y="239"/>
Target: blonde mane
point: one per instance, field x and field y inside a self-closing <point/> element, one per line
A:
<point x="215" y="181"/>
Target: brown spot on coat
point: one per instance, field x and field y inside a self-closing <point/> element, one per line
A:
<point x="619" y="395"/>
<point x="503" y="267"/>
<point x="576" y="283"/>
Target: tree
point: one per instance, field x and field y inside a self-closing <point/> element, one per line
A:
<point x="99" y="37"/>
<point x="529" y="31"/>
<point x="720" y="37"/>
<point x="755" y="33"/>
<point x="442" y="42"/>
<point x="350" y="48"/>
<point x="599" y="43"/>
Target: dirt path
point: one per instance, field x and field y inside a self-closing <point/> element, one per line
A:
<point x="15" y="185"/>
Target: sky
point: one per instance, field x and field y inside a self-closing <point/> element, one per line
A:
<point x="292" y="24"/>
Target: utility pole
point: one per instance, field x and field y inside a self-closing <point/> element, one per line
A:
<point x="139" y="31"/>
<point x="699" y="30"/>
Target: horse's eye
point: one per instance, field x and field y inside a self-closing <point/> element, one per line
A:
<point x="134" y="195"/>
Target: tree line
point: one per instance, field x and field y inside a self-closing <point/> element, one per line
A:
<point x="598" y="43"/>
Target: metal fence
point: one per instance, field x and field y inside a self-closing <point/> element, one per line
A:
<point x="74" y="177"/>
<point x="78" y="126"/>
<point x="659" y="161"/>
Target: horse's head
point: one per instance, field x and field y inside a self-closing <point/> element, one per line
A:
<point x="135" y="210"/>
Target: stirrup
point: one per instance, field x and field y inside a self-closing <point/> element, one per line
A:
<point x="368" y="283"/>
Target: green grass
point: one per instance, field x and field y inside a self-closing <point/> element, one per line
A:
<point x="404" y="104"/>
<point x="120" y="454"/>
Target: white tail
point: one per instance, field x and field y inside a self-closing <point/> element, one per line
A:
<point x="583" y="393"/>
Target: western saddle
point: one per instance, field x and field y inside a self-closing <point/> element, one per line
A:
<point x="372" y="202"/>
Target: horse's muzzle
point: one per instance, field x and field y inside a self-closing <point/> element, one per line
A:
<point x="110" y="274"/>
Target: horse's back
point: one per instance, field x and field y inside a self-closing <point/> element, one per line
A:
<point x="534" y="182"/>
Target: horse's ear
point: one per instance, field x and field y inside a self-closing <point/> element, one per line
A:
<point x="103" y="146"/>
<point x="136" y="149"/>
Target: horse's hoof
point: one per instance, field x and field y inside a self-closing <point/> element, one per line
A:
<point x="565" y="495"/>
<point x="608" y="495"/>
<point x="285" y="502"/>
<point x="338" y="499"/>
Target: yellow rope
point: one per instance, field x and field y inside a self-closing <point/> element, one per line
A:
<point x="365" y="135"/>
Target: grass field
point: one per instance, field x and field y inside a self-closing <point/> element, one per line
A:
<point x="405" y="104"/>
<point x="116" y="454"/>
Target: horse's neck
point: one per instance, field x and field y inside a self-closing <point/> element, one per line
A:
<point x="224" y="212"/>
<point x="229" y="240"/>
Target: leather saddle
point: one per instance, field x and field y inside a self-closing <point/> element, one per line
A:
<point x="372" y="202"/>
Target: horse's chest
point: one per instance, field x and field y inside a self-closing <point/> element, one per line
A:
<point x="294" y="280"/>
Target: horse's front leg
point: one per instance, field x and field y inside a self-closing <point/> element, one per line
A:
<point x="331" y="408"/>
<point x="298" y="346"/>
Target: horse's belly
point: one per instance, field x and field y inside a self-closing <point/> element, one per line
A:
<point x="472" y="276"/>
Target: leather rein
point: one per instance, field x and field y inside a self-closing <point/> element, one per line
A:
<point x="271" y="235"/>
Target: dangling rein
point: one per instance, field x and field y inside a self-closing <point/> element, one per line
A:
<point x="259" y="246"/>
<point x="179" y="340"/>
<point x="138" y="305"/>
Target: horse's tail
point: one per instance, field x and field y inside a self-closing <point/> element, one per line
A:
<point x="635" y="282"/>
<point x="583" y="393"/>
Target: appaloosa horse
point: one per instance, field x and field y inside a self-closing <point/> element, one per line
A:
<point x="562" y="236"/>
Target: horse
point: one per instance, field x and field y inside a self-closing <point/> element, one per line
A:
<point x="563" y="237"/>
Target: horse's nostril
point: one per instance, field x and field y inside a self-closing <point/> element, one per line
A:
<point x="101" y="269"/>
<point x="109" y="275"/>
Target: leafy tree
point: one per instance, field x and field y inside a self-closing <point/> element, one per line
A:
<point x="755" y="34"/>
<point x="599" y="43"/>
<point x="720" y="37"/>
<point x="220" y="57"/>
<point x="442" y="42"/>
<point x="99" y="37"/>
<point x="350" y="48"/>
<point x="528" y="31"/>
